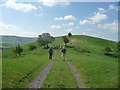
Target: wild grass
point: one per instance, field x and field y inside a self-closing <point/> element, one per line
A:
<point x="60" y="75"/>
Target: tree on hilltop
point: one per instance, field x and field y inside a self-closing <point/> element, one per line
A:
<point x="69" y="34"/>
<point x="45" y="39"/>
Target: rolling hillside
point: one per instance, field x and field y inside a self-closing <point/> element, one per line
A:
<point x="9" y="41"/>
<point x="85" y="53"/>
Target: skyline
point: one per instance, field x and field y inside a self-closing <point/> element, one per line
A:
<point x="29" y="19"/>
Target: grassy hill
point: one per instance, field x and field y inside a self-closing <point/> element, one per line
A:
<point x="84" y="52"/>
<point x="9" y="41"/>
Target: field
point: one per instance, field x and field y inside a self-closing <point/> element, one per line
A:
<point x="85" y="53"/>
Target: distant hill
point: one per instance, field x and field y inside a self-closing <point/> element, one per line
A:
<point x="9" y="41"/>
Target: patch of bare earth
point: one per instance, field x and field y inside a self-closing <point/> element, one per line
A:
<point x="74" y="41"/>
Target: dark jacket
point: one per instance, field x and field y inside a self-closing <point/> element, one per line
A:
<point x="50" y="50"/>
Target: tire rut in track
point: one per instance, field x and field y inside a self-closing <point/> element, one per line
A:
<point x="77" y="76"/>
<point x="42" y="76"/>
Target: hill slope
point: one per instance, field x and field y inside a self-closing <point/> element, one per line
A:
<point x="9" y="41"/>
<point x="96" y="69"/>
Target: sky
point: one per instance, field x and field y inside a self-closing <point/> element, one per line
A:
<point x="30" y="19"/>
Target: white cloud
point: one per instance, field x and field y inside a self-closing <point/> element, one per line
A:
<point x="77" y="27"/>
<point x="113" y="27"/>
<point x="93" y="34"/>
<point x="84" y="22"/>
<point x="8" y="29"/>
<point x="113" y="7"/>
<point x="19" y="33"/>
<point x="68" y="24"/>
<point x="27" y="34"/>
<point x="69" y="30"/>
<point x="7" y="26"/>
<point x="19" y="6"/>
<point x="55" y="26"/>
<point x="51" y="3"/>
<point x="69" y="17"/>
<point x="98" y="17"/>
<point x="102" y="10"/>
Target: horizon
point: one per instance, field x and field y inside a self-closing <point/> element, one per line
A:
<point x="29" y="19"/>
<point x="60" y="36"/>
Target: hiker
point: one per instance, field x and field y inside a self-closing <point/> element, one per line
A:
<point x="63" y="53"/>
<point x="50" y="51"/>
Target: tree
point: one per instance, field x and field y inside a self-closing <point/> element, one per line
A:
<point x="69" y="34"/>
<point x="45" y="39"/>
<point x="65" y="40"/>
<point x="17" y="50"/>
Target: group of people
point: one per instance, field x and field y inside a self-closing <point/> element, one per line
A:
<point x="63" y="52"/>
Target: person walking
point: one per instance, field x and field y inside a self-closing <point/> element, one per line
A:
<point x="63" y="53"/>
<point x="50" y="51"/>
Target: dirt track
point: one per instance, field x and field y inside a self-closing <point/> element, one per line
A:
<point x="41" y="77"/>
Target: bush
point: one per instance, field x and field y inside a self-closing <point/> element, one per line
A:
<point x="65" y="40"/>
<point x="17" y="50"/>
<point x="32" y="47"/>
<point x="107" y="51"/>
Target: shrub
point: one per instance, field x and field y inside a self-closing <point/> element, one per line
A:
<point x="17" y="50"/>
<point x="107" y="51"/>
<point x="65" y="40"/>
<point x="32" y="47"/>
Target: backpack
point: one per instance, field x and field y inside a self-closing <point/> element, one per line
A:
<point x="64" y="50"/>
<point x="50" y="50"/>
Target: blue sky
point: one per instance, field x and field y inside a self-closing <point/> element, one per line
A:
<point x="29" y="19"/>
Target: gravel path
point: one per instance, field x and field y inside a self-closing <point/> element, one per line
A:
<point x="41" y="77"/>
<point x="76" y="75"/>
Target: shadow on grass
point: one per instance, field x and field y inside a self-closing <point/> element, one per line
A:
<point x="69" y="46"/>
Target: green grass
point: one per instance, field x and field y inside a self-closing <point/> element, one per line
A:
<point x="96" y="69"/>
<point x="60" y="75"/>
<point x="18" y="72"/>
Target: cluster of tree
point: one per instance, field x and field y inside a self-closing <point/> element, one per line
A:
<point x="45" y="39"/>
<point x="17" y="50"/>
